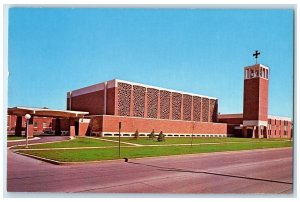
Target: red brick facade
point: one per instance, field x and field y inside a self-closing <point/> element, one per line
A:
<point x="107" y="125"/>
<point x="151" y="105"/>
<point x="256" y="84"/>
<point x="124" y="98"/>
<point x="40" y="124"/>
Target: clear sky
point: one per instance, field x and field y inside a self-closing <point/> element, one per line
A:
<point x="52" y="51"/>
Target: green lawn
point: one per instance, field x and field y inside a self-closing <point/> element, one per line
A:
<point x="135" y="152"/>
<point x="16" y="137"/>
<point x="78" y="142"/>
<point x="187" y="140"/>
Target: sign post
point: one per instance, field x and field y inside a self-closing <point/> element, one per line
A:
<point x="120" y="125"/>
<point x="193" y="133"/>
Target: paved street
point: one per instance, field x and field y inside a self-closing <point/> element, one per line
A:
<point x="40" y="140"/>
<point x="263" y="171"/>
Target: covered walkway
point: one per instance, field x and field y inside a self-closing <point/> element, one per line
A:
<point x="72" y="117"/>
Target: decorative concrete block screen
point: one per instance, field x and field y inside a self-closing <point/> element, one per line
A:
<point x="164" y="104"/>
<point x="124" y="98"/>
<point x="213" y="110"/>
<point x="176" y="106"/>
<point x="139" y="94"/>
<point x="152" y="102"/>
<point x="143" y="101"/>
<point x="197" y="108"/>
<point x="187" y="107"/>
<point x="205" y="109"/>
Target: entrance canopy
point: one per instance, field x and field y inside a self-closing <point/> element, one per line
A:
<point x="45" y="112"/>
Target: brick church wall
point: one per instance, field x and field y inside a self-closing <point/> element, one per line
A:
<point x="124" y="99"/>
<point x="139" y="94"/>
<point x="205" y="109"/>
<point x="187" y="107"/>
<point x="144" y="125"/>
<point x="152" y="102"/>
<point x="176" y="106"/>
<point x="197" y="108"/>
<point x="164" y="104"/>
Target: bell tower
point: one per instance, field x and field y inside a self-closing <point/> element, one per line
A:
<point x="255" y="108"/>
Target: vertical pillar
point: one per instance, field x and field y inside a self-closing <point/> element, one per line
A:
<point x="171" y="111"/>
<point x="83" y="127"/>
<point x="201" y="111"/>
<point x="146" y="105"/>
<point x="57" y="127"/>
<point x="116" y="106"/>
<point x="105" y="98"/>
<point x="181" y="108"/>
<point x="131" y="101"/>
<point x="245" y="131"/>
<point x="158" y="104"/>
<point x="18" y="128"/>
<point x="72" y="127"/>
<point x="209" y="115"/>
<point x="192" y="109"/>
<point x="254" y="132"/>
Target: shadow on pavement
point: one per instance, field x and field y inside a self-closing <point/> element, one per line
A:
<point x="209" y="173"/>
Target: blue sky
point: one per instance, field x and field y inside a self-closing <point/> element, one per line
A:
<point x="52" y="51"/>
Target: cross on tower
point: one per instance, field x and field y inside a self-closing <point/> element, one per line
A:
<point x="256" y="54"/>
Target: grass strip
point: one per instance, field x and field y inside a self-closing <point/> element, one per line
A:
<point x="78" y="142"/>
<point x="82" y="155"/>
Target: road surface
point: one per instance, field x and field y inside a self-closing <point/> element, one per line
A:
<point x="256" y="171"/>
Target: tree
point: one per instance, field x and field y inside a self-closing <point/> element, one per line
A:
<point x="136" y="134"/>
<point x="161" y="137"/>
<point x="152" y="135"/>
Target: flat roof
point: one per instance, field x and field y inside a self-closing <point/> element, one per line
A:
<point x="45" y="112"/>
<point x="240" y="115"/>
<point x="226" y="116"/>
<point x="100" y="86"/>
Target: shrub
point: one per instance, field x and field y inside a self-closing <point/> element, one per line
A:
<point x="161" y="137"/>
<point x="152" y="135"/>
<point x="136" y="134"/>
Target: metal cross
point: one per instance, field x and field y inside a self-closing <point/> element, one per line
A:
<point x="256" y="54"/>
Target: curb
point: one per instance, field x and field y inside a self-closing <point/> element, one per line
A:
<point x="139" y="158"/>
<point x="29" y="139"/>
<point x="39" y="158"/>
<point x="68" y="163"/>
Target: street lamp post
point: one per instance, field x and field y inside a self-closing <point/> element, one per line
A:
<point x="27" y="117"/>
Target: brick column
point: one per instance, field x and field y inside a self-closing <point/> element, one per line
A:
<point x="72" y="127"/>
<point x="116" y="112"/>
<point x="146" y="105"/>
<point x="201" y="111"/>
<point x="131" y="101"/>
<point x="158" y="105"/>
<point x="18" y="128"/>
<point x="192" y="109"/>
<point x="181" y="108"/>
<point x="244" y="131"/>
<point x="209" y="115"/>
<point x="254" y="131"/>
<point x="57" y="126"/>
<point x="171" y="111"/>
